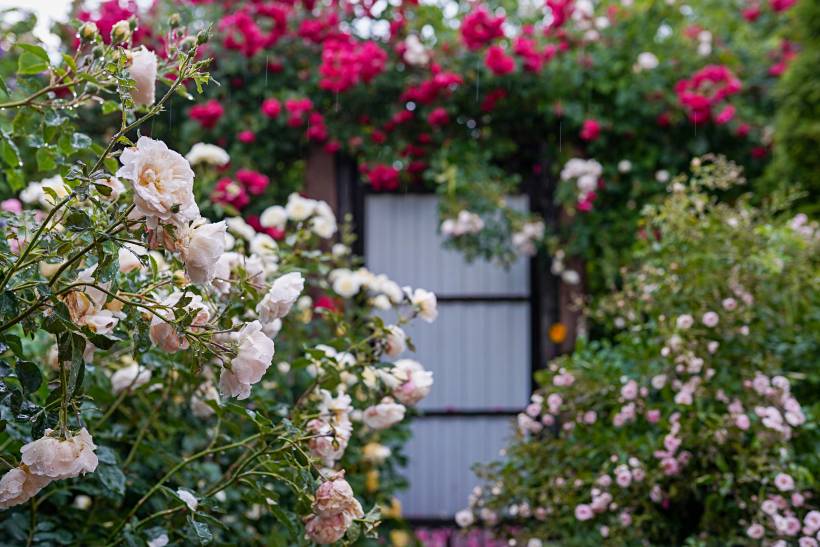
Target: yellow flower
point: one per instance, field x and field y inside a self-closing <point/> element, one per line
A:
<point x="371" y="482"/>
<point x="399" y="538"/>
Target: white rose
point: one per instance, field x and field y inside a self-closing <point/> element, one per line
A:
<point x="396" y="341"/>
<point x="384" y="414"/>
<point x="624" y="166"/>
<point x="252" y="360"/>
<point x="205" y="392"/>
<point x="57" y="186"/>
<point x="60" y="459"/>
<point x="130" y="377"/>
<point x="202" y="250"/>
<point x="31" y="193"/>
<point x="19" y="485"/>
<point x="299" y="208"/>
<point x="241" y="228"/>
<point x="279" y="300"/>
<point x="274" y="217"/>
<point x="426" y="303"/>
<point x="207" y="153"/>
<point x="323" y="227"/>
<point x="346" y="283"/>
<point x="414" y="52"/>
<point x="263" y="245"/>
<point x="128" y="257"/>
<point x="223" y="271"/>
<point x="376" y="453"/>
<point x="143" y="71"/>
<point x="415" y="381"/>
<point x="163" y="182"/>
<point x="465" y="518"/>
<point x="647" y="61"/>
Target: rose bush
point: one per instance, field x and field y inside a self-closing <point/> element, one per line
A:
<point x="696" y="425"/>
<point x="481" y="100"/>
<point x="146" y="393"/>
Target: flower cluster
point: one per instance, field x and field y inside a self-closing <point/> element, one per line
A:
<point x="587" y="176"/>
<point x="47" y="459"/>
<point x="707" y="89"/>
<point x="688" y="395"/>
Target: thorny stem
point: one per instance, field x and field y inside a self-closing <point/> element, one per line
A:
<point x="33" y="242"/>
<point x="171" y="473"/>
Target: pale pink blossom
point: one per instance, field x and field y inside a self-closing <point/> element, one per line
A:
<point x="755" y="531"/>
<point x="383" y="415"/>
<point x="583" y="512"/>
<point x="254" y="356"/>
<point x="58" y="458"/>
<point x="416" y="382"/>
<point x="143" y="71"/>
<point x="784" y="482"/>
<point x="19" y="485"/>
<point x="710" y="319"/>
<point x="279" y="300"/>
<point x="162" y="182"/>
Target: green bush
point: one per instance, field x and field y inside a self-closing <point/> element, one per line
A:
<point x="797" y="135"/>
<point x="686" y="429"/>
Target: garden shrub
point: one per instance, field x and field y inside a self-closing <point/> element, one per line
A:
<point x="797" y="129"/>
<point x="697" y="423"/>
<point x="143" y="399"/>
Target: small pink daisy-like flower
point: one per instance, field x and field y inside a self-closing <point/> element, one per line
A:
<point x="755" y="531"/>
<point x="583" y="512"/>
<point x="710" y="319"/>
<point x="729" y="304"/>
<point x="684" y="321"/>
<point x="784" y="482"/>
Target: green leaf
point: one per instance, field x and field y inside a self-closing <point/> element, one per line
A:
<point x="33" y="60"/>
<point x="201" y="532"/>
<point x="45" y="159"/>
<point x="112" y="478"/>
<point x="29" y="375"/>
<point x="77" y="221"/>
<point x="80" y="141"/>
<point x="3" y="86"/>
<point x="9" y="151"/>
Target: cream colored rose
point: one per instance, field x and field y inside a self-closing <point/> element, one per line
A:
<point x="253" y="358"/>
<point x="384" y="414"/>
<point x="375" y="453"/>
<point x="279" y="300"/>
<point x="345" y="283"/>
<point x="395" y="341"/>
<point x="274" y="217"/>
<point x="299" y="208"/>
<point x="130" y="377"/>
<point x="207" y="153"/>
<point x="19" y="485"/>
<point x="163" y="182"/>
<point x="57" y="458"/>
<point x="128" y="256"/>
<point x="335" y="496"/>
<point x="143" y="71"/>
<point x="326" y="530"/>
<point x="415" y="381"/>
<point x="204" y="393"/>
<point x="202" y="249"/>
<point x="263" y="245"/>
<point x="426" y="303"/>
